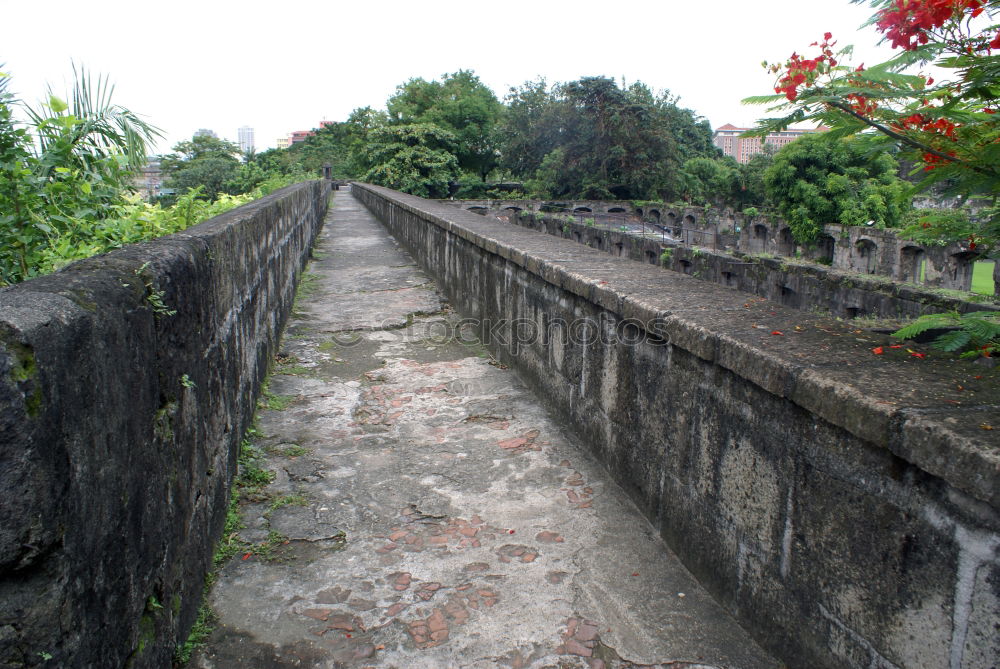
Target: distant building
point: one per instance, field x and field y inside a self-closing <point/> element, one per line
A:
<point x="284" y="142"/>
<point x="148" y="181"/>
<point x="742" y="149"/>
<point x="205" y="132"/>
<point x="300" y="136"/>
<point x="245" y="135"/>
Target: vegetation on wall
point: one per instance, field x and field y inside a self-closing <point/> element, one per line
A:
<point x="946" y="125"/>
<point x="821" y="179"/>
<point x="66" y="188"/>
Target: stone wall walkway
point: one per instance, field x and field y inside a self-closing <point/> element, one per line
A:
<point x="427" y="512"/>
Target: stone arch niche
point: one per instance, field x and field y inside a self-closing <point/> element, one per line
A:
<point x="482" y="211"/>
<point x="583" y="210"/>
<point x="959" y="272"/>
<point x="638" y="211"/>
<point x="866" y="251"/>
<point x="911" y="262"/>
<point x="786" y="242"/>
<point x="655" y="213"/>
<point x="822" y="251"/>
<point x="513" y="209"/>
<point x="616" y="210"/>
<point x="689" y="220"/>
<point x="758" y="238"/>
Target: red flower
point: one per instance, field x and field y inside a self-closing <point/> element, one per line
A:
<point x="995" y="44"/>
<point x="778" y="332"/>
<point x="921" y="356"/>
<point x="827" y="36"/>
<point x="878" y="350"/>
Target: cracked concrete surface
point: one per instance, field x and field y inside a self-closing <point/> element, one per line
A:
<point x="430" y="512"/>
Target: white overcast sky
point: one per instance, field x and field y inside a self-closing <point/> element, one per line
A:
<point x="279" y="66"/>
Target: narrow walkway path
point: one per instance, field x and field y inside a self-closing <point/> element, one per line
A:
<point x="427" y="512"/>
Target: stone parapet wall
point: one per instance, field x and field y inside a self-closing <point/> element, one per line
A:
<point x="790" y="282"/>
<point x="126" y="384"/>
<point x="859" y="249"/>
<point x="845" y="507"/>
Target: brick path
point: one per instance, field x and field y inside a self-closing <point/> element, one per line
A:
<point x="427" y="512"/>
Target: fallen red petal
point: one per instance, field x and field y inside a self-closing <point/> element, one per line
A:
<point x="878" y="350"/>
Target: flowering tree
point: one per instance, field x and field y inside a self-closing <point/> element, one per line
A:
<point x="947" y="127"/>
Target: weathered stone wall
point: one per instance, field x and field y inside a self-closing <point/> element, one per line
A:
<point x="846" y="507"/>
<point x="795" y="284"/>
<point x="120" y="425"/>
<point x="857" y="249"/>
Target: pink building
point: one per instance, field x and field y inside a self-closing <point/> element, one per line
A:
<point x="742" y="149"/>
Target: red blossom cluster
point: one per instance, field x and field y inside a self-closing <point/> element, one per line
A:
<point x="932" y="160"/>
<point x="941" y="126"/>
<point x="861" y="104"/>
<point x="907" y="22"/>
<point x="801" y="70"/>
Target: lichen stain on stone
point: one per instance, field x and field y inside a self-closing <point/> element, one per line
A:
<point x="23" y="371"/>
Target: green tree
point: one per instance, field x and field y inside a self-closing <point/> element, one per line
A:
<point x="947" y="127"/>
<point x="417" y="158"/>
<point x="64" y="171"/>
<point x="707" y="180"/>
<point x="612" y="142"/>
<point x="820" y="179"/>
<point x="207" y="162"/>
<point x="461" y="104"/>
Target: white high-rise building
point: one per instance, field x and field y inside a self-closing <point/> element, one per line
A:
<point x="245" y="135"/>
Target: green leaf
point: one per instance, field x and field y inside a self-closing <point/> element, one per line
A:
<point x="57" y="105"/>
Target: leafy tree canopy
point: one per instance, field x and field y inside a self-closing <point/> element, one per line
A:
<point x="416" y="158"/>
<point x="820" y="179"/>
<point x="461" y="104"/>
<point x="592" y="138"/>
<point x="947" y="126"/>
<point x="205" y="161"/>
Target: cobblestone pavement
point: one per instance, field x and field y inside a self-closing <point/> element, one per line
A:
<point x="426" y="511"/>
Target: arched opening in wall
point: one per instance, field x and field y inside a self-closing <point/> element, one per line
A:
<point x="789" y="297"/>
<point x="583" y="210"/>
<point x="689" y="220"/>
<point x="514" y="209"/>
<point x="551" y="207"/>
<point x="619" y="249"/>
<point x="960" y="274"/>
<point x="638" y="211"/>
<point x="576" y="237"/>
<point x="852" y="312"/>
<point x="866" y="251"/>
<point x="671" y="218"/>
<point x="822" y="252"/>
<point x="650" y="257"/>
<point x="758" y="238"/>
<point x="655" y="214"/>
<point x="616" y="210"/>
<point x="482" y="211"/>
<point x="786" y="243"/>
<point x="911" y="262"/>
<point x="686" y="266"/>
<point x="598" y="243"/>
<point x="728" y="278"/>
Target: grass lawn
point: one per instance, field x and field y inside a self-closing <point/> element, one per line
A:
<point x="982" y="277"/>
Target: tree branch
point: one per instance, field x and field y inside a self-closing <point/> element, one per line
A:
<point x="903" y="138"/>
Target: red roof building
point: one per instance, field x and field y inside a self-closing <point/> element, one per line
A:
<point x="742" y="149"/>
